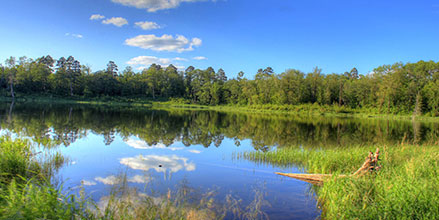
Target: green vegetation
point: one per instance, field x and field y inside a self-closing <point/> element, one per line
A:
<point x="405" y="188"/>
<point x="302" y="110"/>
<point x="64" y="124"/>
<point x="184" y="203"/>
<point x="25" y="189"/>
<point x="26" y="192"/>
<point x="407" y="89"/>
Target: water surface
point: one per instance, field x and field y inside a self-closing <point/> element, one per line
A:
<point x="157" y="151"/>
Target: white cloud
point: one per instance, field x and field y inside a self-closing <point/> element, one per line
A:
<point x="153" y="5"/>
<point x="142" y="62"/>
<point x="88" y="183"/>
<point x="141" y="68"/>
<point x="158" y="163"/>
<point x="181" y="68"/>
<point x="195" y="151"/>
<point x="196" y="41"/>
<point x="97" y="17"/>
<point x="200" y="58"/>
<point x="180" y="59"/>
<point x="114" y="180"/>
<point x="147" y="25"/>
<point x="117" y="21"/>
<point x="139" y="179"/>
<point x="109" y="180"/>
<point x="164" y="43"/>
<point x="139" y="144"/>
<point x="145" y="61"/>
<point x="74" y="35"/>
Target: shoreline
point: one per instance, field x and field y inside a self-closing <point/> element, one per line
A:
<point x="299" y="110"/>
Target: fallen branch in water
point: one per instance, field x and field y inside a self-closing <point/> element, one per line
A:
<point x="369" y="165"/>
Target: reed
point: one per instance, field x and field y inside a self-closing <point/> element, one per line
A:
<point x="405" y="188"/>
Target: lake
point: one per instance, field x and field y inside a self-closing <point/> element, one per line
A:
<point x="191" y="154"/>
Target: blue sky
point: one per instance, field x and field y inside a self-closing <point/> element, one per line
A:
<point x="231" y="34"/>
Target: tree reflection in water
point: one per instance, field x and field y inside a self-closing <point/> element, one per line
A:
<point x="64" y="124"/>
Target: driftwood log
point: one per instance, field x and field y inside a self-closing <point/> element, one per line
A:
<point x="369" y="165"/>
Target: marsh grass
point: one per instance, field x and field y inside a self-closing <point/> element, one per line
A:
<point x="16" y="160"/>
<point x="26" y="191"/>
<point x="406" y="187"/>
<point x="20" y="161"/>
<point x="39" y="201"/>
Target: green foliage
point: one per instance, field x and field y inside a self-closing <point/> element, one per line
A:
<point x="24" y="197"/>
<point x="25" y="190"/>
<point x="64" y="124"/>
<point x="32" y="201"/>
<point x="311" y="160"/>
<point x="405" y="188"/>
<point x="16" y="161"/>
<point x="392" y="89"/>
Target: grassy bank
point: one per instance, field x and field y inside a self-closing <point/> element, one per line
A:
<point x="105" y="100"/>
<point x="405" y="188"/>
<point x="302" y="109"/>
<point x="26" y="191"/>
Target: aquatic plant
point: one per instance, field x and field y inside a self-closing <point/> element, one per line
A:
<point x="405" y="188"/>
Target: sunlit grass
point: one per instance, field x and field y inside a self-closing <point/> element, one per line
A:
<point x="25" y="188"/>
<point x="405" y="188"/>
<point x="17" y="160"/>
<point x="39" y="201"/>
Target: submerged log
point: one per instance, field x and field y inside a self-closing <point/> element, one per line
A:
<point x="369" y="165"/>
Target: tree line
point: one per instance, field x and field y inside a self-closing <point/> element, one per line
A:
<point x="398" y="88"/>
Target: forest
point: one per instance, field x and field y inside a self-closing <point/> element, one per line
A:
<point x="407" y="88"/>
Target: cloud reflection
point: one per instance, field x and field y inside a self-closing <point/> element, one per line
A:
<point x="88" y="183"/>
<point x="139" y="144"/>
<point x="139" y="179"/>
<point x="115" y="180"/>
<point x="158" y="163"/>
<point x="109" y="180"/>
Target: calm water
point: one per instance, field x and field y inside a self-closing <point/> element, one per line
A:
<point x="156" y="151"/>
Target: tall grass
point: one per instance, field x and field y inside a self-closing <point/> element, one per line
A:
<point x="16" y="160"/>
<point x="39" y="201"/>
<point x="334" y="160"/>
<point x="406" y="187"/>
<point x="25" y="188"/>
<point x="20" y="161"/>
